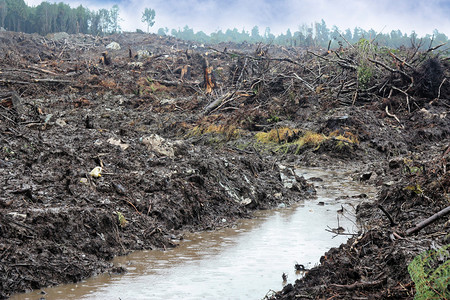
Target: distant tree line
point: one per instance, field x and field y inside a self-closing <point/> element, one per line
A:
<point x="16" y="15"/>
<point x="315" y="35"/>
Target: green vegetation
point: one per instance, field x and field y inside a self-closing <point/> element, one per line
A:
<point x="227" y="132"/>
<point x="317" y="35"/>
<point x="414" y="188"/>
<point x="16" y="15"/>
<point x="290" y="137"/>
<point x="278" y="135"/>
<point x="148" y="17"/>
<point x="430" y="272"/>
<point x="122" y="221"/>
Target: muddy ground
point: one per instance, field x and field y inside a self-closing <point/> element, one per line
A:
<point x="175" y="158"/>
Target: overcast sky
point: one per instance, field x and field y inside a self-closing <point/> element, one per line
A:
<point x="211" y="15"/>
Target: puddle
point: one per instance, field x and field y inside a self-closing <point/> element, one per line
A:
<point x="243" y="262"/>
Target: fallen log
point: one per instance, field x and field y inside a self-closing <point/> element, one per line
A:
<point x="217" y="102"/>
<point x="428" y="221"/>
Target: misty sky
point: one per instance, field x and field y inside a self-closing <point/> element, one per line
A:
<point x="211" y="15"/>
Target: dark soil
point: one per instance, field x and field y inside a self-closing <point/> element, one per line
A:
<point x="171" y="162"/>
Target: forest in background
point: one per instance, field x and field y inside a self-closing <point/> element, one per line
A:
<point x="16" y="15"/>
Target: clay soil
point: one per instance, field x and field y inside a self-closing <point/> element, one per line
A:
<point x="175" y="158"/>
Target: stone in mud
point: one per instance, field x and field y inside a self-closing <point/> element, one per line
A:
<point x="162" y="147"/>
<point x="113" y="46"/>
<point x="143" y="54"/>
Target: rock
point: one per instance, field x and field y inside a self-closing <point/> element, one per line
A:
<point x="60" y="122"/>
<point x="119" y="143"/>
<point x="113" y="46"/>
<point x="142" y="54"/>
<point x="163" y="147"/>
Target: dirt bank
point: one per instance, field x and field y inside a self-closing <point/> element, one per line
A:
<point x="174" y="157"/>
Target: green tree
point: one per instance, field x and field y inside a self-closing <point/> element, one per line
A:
<point x="104" y="21"/>
<point x="16" y="14"/>
<point x="82" y="15"/>
<point x="114" y="19"/>
<point x="322" y="34"/>
<point x="62" y="19"/>
<point x="148" y="17"/>
<point x="161" y="31"/>
<point x="45" y="16"/>
<point x="3" y="12"/>
<point x="255" y="34"/>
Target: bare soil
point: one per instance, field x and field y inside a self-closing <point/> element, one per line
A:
<point x="173" y="159"/>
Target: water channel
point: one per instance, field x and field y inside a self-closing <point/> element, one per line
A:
<point x="242" y="262"/>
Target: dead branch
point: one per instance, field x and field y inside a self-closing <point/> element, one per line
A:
<point x="428" y="221"/>
<point x="258" y="58"/>
<point x="401" y="60"/>
<point x="216" y="103"/>
<point x="440" y="86"/>
<point x="345" y="40"/>
<point x="392" y="70"/>
<point x="52" y="80"/>
<point x="341" y="62"/>
<point x="436" y="47"/>
<point x="304" y="81"/>
<point x="387" y="215"/>
<point x="358" y="285"/>
<point x="406" y="94"/>
<point x="42" y="70"/>
<point x="393" y="116"/>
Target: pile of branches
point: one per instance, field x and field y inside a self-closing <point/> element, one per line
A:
<point x="359" y="74"/>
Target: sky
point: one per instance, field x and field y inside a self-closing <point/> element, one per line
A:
<point x="211" y="15"/>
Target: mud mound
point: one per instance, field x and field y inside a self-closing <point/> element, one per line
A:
<point x="107" y="151"/>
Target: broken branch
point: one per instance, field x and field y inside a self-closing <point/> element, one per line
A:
<point x="428" y="221"/>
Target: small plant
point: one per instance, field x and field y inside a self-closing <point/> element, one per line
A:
<point x="414" y="188"/>
<point x="122" y="221"/>
<point x="410" y="168"/>
<point x="365" y="72"/>
<point x="273" y="119"/>
<point x="430" y="272"/>
<point x="364" y="75"/>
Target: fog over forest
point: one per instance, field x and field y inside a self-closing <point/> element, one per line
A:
<point x="291" y="23"/>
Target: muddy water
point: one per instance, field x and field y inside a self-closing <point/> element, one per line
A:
<point x="243" y="262"/>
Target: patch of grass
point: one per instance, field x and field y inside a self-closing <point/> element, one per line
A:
<point x="228" y="131"/>
<point x="345" y="140"/>
<point x="311" y="139"/>
<point x="277" y="135"/>
<point x="289" y="138"/>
